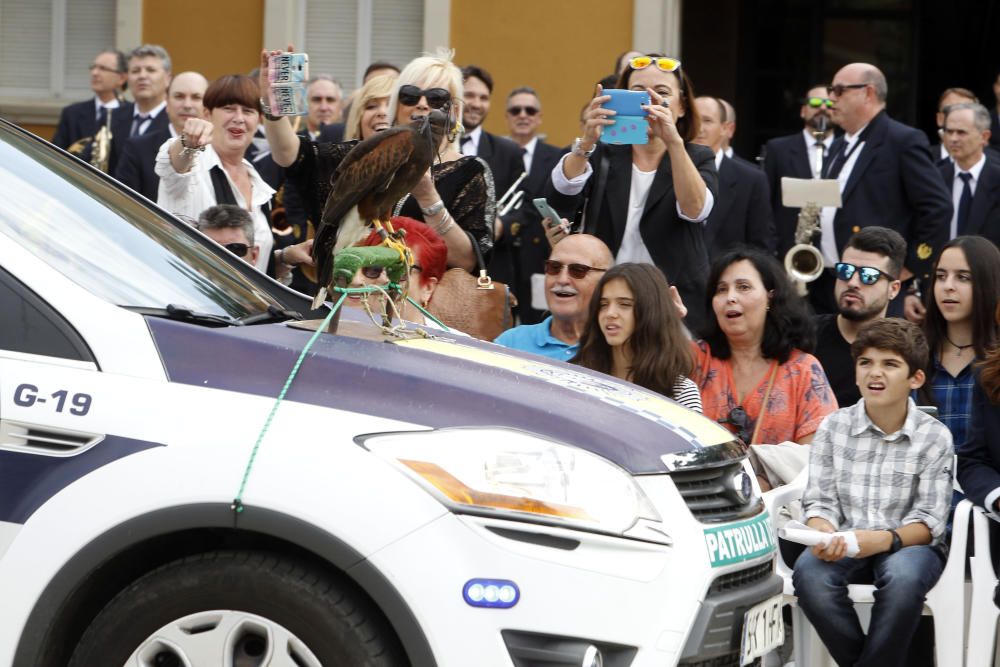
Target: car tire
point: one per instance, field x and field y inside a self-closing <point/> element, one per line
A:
<point x="292" y="600"/>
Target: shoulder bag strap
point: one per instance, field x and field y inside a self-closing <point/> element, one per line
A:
<point x="763" y="405"/>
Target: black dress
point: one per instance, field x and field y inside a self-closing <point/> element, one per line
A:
<point x="465" y="186"/>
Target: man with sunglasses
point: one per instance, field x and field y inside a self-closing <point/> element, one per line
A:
<point x="571" y="273"/>
<point x="886" y="176"/>
<point x="794" y="156"/>
<point x="231" y="227"/>
<point x="521" y="250"/>
<point x="867" y="280"/>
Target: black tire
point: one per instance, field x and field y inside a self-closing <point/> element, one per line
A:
<point x="328" y="615"/>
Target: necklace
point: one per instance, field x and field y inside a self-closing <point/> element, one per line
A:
<point x="959" y="349"/>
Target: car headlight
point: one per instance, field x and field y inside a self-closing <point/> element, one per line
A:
<point x="517" y="475"/>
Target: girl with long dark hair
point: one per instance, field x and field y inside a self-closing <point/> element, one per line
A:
<point x="634" y="332"/>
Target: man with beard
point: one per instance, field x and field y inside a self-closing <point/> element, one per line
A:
<point x="502" y="155"/>
<point x="867" y="280"/>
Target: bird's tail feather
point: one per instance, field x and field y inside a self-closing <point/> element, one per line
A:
<point x="352" y="230"/>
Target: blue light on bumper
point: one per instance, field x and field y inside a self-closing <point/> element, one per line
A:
<point x="492" y="593"/>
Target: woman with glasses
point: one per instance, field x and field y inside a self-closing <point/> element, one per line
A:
<point x="647" y="201"/>
<point x="634" y="333"/>
<point x="752" y="365"/>
<point x="960" y="326"/>
<point x="456" y="198"/>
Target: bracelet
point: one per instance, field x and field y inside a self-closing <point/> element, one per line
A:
<point x="280" y="256"/>
<point x="265" y="110"/>
<point x="434" y="208"/>
<point x="578" y="149"/>
<point x="445" y="224"/>
<point x="189" y="151"/>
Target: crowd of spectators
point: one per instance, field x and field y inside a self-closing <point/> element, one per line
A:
<point x="664" y="268"/>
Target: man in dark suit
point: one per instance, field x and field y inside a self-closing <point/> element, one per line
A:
<point x="742" y="213"/>
<point x="885" y="173"/>
<point x="80" y="120"/>
<point x="138" y="158"/>
<point x="977" y="206"/>
<point x="502" y="155"/>
<point x="795" y="156"/>
<point x="521" y="250"/>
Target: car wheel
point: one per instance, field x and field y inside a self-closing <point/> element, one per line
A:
<point x="239" y="608"/>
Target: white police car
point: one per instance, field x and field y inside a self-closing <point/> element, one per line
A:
<point x="423" y="502"/>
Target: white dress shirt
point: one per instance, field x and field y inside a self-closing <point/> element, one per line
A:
<point x="828" y="243"/>
<point x="528" y="152"/>
<point x="470" y="142"/>
<point x="811" y="150"/>
<point x="152" y="113"/>
<point x="190" y="193"/>
<point x="957" y="185"/>
<point x="98" y="105"/>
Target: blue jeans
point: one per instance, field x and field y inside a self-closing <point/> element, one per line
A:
<point x="901" y="580"/>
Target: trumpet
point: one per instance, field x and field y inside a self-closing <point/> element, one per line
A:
<point x="512" y="198"/>
<point x="803" y="261"/>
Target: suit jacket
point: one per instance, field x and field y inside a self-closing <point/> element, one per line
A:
<point x="121" y="127"/>
<point x="895" y="184"/>
<point x="984" y="216"/>
<point x="785" y="156"/>
<point x="136" y="165"/>
<point x="504" y="159"/>
<point x="979" y="455"/>
<point x="334" y="132"/>
<point x="677" y="246"/>
<point x="523" y="248"/>
<point x="76" y="121"/>
<point x="989" y="150"/>
<point x="742" y="213"/>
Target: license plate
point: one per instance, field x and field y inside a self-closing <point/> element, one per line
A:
<point x="763" y="630"/>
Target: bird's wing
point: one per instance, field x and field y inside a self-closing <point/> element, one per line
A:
<point x="369" y="168"/>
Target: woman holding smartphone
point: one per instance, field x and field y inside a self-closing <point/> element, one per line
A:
<point x="649" y="201"/>
<point x="634" y="333"/>
<point x="455" y="198"/>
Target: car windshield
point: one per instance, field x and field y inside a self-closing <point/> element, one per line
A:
<point x="109" y="242"/>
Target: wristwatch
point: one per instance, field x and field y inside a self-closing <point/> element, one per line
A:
<point x="897" y="542"/>
<point x="577" y="149"/>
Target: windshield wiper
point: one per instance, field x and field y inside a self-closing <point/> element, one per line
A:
<point x="272" y="314"/>
<point x="185" y="314"/>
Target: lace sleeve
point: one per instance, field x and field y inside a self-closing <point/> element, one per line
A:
<point x="474" y="206"/>
<point x="314" y="170"/>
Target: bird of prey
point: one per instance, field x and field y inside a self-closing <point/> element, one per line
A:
<point x="376" y="174"/>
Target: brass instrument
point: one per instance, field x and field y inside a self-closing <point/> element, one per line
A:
<point x="100" y="152"/>
<point x="512" y="198"/>
<point x="803" y="261"/>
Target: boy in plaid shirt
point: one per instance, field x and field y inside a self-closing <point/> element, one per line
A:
<point x="881" y="468"/>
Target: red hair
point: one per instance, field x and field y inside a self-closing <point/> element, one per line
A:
<point x="429" y="249"/>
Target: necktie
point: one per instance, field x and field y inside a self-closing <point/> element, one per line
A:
<point x="837" y="161"/>
<point x="102" y="117"/>
<point x="964" y="202"/>
<point x="137" y="122"/>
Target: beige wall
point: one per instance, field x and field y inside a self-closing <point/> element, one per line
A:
<point x="559" y="47"/>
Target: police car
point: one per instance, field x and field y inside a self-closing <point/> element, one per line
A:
<point x="411" y="501"/>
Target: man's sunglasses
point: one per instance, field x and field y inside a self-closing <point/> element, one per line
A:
<point x="739" y="418"/>
<point x="869" y="274"/>
<point x="817" y="102"/>
<point x="238" y="249"/>
<point x="437" y="98"/>
<point x="577" y="271"/>
<point x="664" y="64"/>
<point x="838" y="89"/>
<point x="517" y="111"/>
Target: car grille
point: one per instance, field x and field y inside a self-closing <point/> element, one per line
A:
<point x="730" y="660"/>
<point x="710" y="496"/>
<point x="737" y="580"/>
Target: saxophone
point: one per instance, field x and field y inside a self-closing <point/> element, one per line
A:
<point x="100" y="150"/>
<point x="803" y="261"/>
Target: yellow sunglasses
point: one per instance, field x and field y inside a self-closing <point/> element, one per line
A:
<point x="664" y="64"/>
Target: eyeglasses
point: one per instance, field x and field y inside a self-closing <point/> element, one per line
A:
<point x="838" y="89"/>
<point x="817" y="102"/>
<point x="437" y="98"/>
<point x="103" y="68"/>
<point x="517" y="111"/>
<point x="238" y="249"/>
<point x="665" y="64"/>
<point x="869" y="274"/>
<point x="739" y="418"/>
<point x="577" y="271"/>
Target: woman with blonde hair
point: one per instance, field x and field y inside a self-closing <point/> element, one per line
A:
<point x="370" y="109"/>
<point x="456" y="198"/>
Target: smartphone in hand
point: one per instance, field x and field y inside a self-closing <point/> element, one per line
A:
<point x="288" y="74"/>
<point x="630" y="124"/>
<point x="546" y="211"/>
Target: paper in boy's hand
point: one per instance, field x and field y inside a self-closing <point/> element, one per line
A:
<point x="797" y="532"/>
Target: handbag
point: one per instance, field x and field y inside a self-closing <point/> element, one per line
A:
<point x="474" y="305"/>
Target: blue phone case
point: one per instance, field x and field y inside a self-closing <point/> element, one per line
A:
<point x="630" y="125"/>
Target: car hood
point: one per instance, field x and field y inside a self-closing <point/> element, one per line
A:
<point x="442" y="382"/>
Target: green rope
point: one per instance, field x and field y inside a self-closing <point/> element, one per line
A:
<point x="421" y="309"/>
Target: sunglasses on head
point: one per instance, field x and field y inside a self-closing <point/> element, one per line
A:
<point x="817" y="102"/>
<point x="577" y="271"/>
<point x="839" y="88"/>
<point x="664" y="64"/>
<point x="238" y="249"/>
<point x="869" y="274"/>
<point x="739" y="418"/>
<point x="437" y="98"/>
<point x="517" y="111"/>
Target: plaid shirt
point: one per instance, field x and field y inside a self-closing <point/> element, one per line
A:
<point x="953" y="396"/>
<point x="861" y="478"/>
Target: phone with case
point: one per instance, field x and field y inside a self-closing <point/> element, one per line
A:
<point x="288" y="74"/>
<point x="630" y="124"/>
<point x="546" y="211"/>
